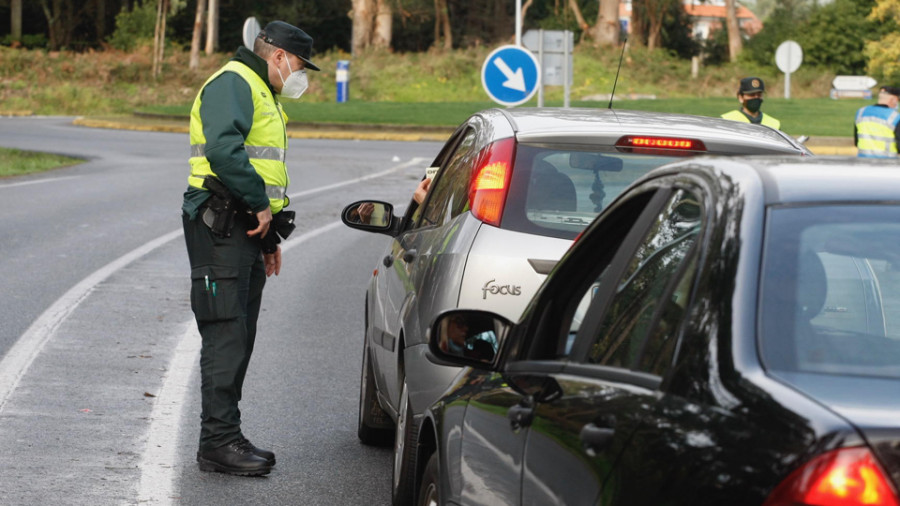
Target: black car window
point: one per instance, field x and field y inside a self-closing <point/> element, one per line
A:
<point x="638" y="329"/>
<point x="449" y="194"/>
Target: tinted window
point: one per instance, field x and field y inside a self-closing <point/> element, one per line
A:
<point x="449" y="195"/>
<point x="639" y="327"/>
<point x="557" y="192"/>
<point x="831" y="290"/>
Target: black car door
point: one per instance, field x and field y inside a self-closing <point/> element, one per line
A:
<point x="623" y="348"/>
<point x="516" y="411"/>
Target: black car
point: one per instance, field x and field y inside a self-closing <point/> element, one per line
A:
<point x="726" y="332"/>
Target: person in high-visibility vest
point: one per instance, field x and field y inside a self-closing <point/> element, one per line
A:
<point x="232" y="216"/>
<point x="750" y="95"/>
<point x="876" y="131"/>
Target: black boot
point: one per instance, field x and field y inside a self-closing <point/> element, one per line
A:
<point x="259" y="452"/>
<point x="234" y="458"/>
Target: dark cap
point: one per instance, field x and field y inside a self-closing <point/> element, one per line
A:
<point x="752" y="85"/>
<point x="893" y="90"/>
<point x="291" y="39"/>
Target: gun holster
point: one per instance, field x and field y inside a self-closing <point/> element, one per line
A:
<point x="220" y="207"/>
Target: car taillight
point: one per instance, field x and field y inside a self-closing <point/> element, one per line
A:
<point x="844" y="477"/>
<point x="659" y="145"/>
<point x="490" y="181"/>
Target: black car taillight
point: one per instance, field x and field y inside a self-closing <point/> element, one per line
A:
<point x="490" y="181"/>
<point x="843" y="477"/>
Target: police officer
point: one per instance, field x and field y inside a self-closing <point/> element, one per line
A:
<point x="232" y="209"/>
<point x="750" y="96"/>
<point x="877" y="129"/>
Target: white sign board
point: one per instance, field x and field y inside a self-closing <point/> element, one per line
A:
<point x="788" y="57"/>
<point x="251" y="30"/>
<point x="556" y="60"/>
<point x="853" y="83"/>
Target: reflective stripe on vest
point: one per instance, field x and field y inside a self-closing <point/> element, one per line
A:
<point x="767" y="120"/>
<point x="265" y="145"/>
<point x="875" y="132"/>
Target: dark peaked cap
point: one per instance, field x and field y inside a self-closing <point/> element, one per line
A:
<point x="291" y="39"/>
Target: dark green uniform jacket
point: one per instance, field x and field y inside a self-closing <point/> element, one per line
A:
<point x="227" y="115"/>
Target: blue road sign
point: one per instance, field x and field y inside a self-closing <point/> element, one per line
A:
<point x="510" y="75"/>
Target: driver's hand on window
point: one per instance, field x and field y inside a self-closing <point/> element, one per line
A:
<point x="421" y="190"/>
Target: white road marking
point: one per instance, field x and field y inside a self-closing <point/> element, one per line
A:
<point x="37" y="181"/>
<point x="160" y="456"/>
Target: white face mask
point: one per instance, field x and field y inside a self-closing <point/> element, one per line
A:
<point x="295" y="84"/>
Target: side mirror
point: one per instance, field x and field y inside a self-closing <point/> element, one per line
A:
<point x="370" y="215"/>
<point x="463" y="337"/>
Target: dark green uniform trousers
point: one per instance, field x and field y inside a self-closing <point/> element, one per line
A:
<point x="227" y="280"/>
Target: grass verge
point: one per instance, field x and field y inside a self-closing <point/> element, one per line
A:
<point x="802" y="116"/>
<point x="15" y="162"/>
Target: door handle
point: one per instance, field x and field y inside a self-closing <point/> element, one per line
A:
<point x="596" y="438"/>
<point x="410" y="255"/>
<point x="520" y="416"/>
<point x="388" y="260"/>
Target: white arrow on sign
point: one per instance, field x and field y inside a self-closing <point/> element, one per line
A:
<point x="514" y="80"/>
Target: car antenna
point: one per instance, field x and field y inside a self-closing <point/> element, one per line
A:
<point x="611" y="95"/>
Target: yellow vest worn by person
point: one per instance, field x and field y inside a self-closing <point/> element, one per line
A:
<point x="266" y="144"/>
<point x="767" y="120"/>
<point x="875" y="132"/>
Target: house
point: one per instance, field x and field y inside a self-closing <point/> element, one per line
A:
<point x="707" y="17"/>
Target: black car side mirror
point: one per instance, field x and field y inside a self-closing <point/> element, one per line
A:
<point x="369" y="215"/>
<point x="463" y="337"/>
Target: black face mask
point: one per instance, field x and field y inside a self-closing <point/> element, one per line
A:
<point x="753" y="104"/>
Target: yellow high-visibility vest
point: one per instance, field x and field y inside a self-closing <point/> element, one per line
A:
<point x="875" y="132"/>
<point x="767" y="120"/>
<point x="266" y="144"/>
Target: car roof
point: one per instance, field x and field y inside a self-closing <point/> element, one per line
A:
<point x="585" y="125"/>
<point x="799" y="180"/>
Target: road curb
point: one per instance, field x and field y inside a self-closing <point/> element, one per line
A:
<point x="329" y="132"/>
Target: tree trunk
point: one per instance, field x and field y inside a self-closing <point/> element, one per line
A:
<point x="15" y="21"/>
<point x="363" y="25"/>
<point x="384" y="18"/>
<point x="607" y="29"/>
<point x="198" y="35"/>
<point x="212" y="27"/>
<point x="637" y="28"/>
<point x="442" y="25"/>
<point x="735" y="44"/>
<point x="579" y="18"/>
<point x="159" y="36"/>
<point x="99" y="19"/>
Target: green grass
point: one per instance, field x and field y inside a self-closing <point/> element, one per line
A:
<point x="14" y="162"/>
<point x="799" y="116"/>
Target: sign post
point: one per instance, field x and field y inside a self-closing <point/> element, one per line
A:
<point x="788" y="57"/>
<point x="554" y="49"/>
<point x="342" y="77"/>
<point x="510" y="75"/>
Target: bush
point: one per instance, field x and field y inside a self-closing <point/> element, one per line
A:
<point x="30" y="41"/>
<point x="134" y="28"/>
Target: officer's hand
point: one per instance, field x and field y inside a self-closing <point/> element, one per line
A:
<point x="273" y="262"/>
<point x="265" y="219"/>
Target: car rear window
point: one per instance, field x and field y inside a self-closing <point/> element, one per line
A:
<point x="830" y="298"/>
<point x="557" y="191"/>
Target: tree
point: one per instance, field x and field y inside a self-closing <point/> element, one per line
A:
<point x="363" y="25"/>
<point x="605" y="31"/>
<point x="15" y="21"/>
<point x="384" y="21"/>
<point x="442" y="24"/>
<point x="883" y="54"/>
<point x="212" y="27"/>
<point x="835" y="35"/>
<point x="197" y="35"/>
<point x="735" y="44"/>
<point x="159" y="35"/>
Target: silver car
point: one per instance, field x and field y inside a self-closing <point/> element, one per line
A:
<point x="513" y="189"/>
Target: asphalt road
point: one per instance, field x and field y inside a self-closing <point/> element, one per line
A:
<point x="99" y="387"/>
